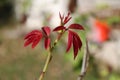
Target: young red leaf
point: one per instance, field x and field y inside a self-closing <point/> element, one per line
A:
<point x="46" y="30"/>
<point x="70" y="40"/>
<point x="47" y="43"/>
<point x="76" y="26"/>
<point x="78" y="40"/>
<point x="65" y="21"/>
<point x="75" y="46"/>
<point x="67" y="18"/>
<point x="59" y="28"/>
<point x="31" y="33"/>
<point x="35" y="42"/>
<point x="61" y="17"/>
<point x="73" y="38"/>
<point x="29" y="41"/>
<point x="33" y="37"/>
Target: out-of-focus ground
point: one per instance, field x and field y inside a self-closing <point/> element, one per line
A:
<point x="101" y="20"/>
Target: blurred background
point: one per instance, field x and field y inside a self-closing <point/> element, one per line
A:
<point x="100" y="18"/>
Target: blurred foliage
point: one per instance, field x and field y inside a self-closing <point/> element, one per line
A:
<point x="92" y="72"/>
<point x="113" y="20"/>
<point x="81" y="19"/>
<point x="102" y="6"/>
<point x="99" y="71"/>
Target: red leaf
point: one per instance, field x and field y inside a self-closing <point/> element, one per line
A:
<point x="59" y="28"/>
<point x="75" y="46"/>
<point x="33" y="37"/>
<point x="61" y="17"/>
<point x="76" y="26"/>
<point x="74" y="38"/>
<point x="67" y="18"/>
<point x="70" y="40"/>
<point x="31" y="33"/>
<point x="65" y="21"/>
<point x="30" y="40"/>
<point x="46" y="30"/>
<point x="47" y="43"/>
<point x="35" y="42"/>
<point x="78" y="40"/>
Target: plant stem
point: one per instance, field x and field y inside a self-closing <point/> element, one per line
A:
<point x="46" y="65"/>
<point x="57" y="39"/>
<point x="49" y="57"/>
<point x="84" y="63"/>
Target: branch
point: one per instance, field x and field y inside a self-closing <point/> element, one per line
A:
<point x="49" y="57"/>
<point x="84" y="63"/>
